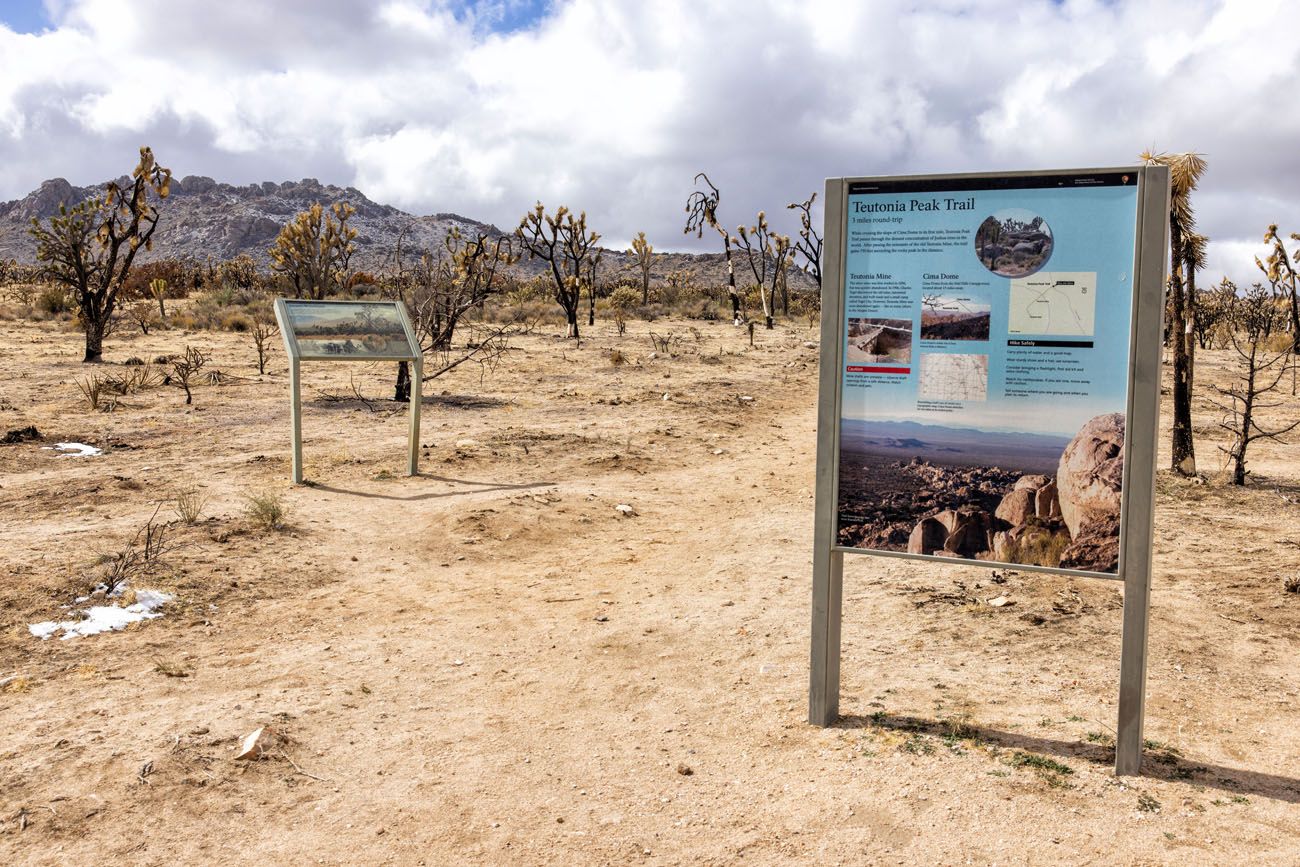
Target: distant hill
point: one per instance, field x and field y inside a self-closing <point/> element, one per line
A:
<point x="203" y="218"/>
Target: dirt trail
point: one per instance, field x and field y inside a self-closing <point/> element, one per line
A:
<point x="487" y="664"/>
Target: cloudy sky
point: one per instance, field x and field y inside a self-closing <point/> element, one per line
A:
<point x="612" y="106"/>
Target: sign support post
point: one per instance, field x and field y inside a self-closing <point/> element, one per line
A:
<point x="828" y="564"/>
<point x="295" y="413"/>
<point x="1082" y="353"/>
<point x="1140" y="468"/>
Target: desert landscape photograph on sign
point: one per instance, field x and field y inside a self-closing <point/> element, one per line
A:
<point x="736" y="461"/>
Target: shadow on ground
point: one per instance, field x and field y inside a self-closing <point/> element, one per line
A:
<point x="1157" y="763"/>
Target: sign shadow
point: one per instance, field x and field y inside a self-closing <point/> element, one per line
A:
<point x="1160" y="764"/>
<point x="480" y="488"/>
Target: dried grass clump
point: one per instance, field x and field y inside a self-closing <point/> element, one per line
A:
<point x="266" y="510"/>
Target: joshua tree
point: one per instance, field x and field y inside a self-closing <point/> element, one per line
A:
<point x="767" y="253"/>
<point x="642" y="254"/>
<point x="1185" y="172"/>
<point x="593" y="263"/>
<point x="90" y="247"/>
<point x="1254" y="318"/>
<point x="313" y="251"/>
<point x="701" y="211"/>
<point x="564" y="243"/>
<point x="809" y="244"/>
<point x="1213" y="308"/>
<point x="240" y="272"/>
<point x="1282" y="277"/>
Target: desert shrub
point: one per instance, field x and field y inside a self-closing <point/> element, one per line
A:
<point x="134" y="361"/>
<point x="188" y="503"/>
<point x="617" y="358"/>
<point x="1292" y="584"/>
<point x="705" y="309"/>
<point x="265" y="509"/>
<point x="54" y="301"/>
<point x="236" y="321"/>
<point x="1038" y="548"/>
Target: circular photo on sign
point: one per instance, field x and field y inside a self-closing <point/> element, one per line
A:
<point x="1013" y="242"/>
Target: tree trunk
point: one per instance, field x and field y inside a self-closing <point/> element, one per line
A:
<point x="571" y="316"/>
<point x="402" y="390"/>
<point x="95" y="328"/>
<point x="645" y="287"/>
<point x="1182" y="448"/>
<point x="591" y="307"/>
<point x="731" y="282"/>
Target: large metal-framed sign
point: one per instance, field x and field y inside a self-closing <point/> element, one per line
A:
<point x="348" y="331"/>
<point x="989" y="388"/>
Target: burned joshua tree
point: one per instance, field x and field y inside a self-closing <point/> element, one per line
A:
<point x="701" y="211"/>
<point x="809" y="245"/>
<point x="768" y="254"/>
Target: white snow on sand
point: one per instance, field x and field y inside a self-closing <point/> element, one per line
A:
<point x="106" y="618"/>
<point x="74" y="450"/>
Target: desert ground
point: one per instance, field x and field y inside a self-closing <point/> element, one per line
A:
<point x="490" y="663"/>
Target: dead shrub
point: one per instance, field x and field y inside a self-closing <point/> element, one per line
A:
<point x="265" y="509"/>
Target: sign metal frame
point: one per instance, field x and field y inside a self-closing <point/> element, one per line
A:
<point x="296" y="356"/>
<point x="1138" y="484"/>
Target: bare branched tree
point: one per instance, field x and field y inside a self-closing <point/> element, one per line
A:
<point x="1255" y="317"/>
<point x="440" y="291"/>
<point x="186" y="367"/>
<point x="90" y="247"/>
<point x="263" y="330"/>
<point x="701" y="211"/>
<point x="809" y="245"/>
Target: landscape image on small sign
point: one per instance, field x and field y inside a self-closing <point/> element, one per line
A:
<point x="1014" y="242"/>
<point x="955" y="315"/>
<point x="348" y="330"/>
<point x="878" y="341"/>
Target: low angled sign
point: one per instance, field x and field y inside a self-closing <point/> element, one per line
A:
<point x="989" y="384"/>
<point x="348" y="331"/>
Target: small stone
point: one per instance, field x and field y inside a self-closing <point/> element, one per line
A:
<point x="684" y="769"/>
<point x="625" y="510"/>
<point x="257" y="744"/>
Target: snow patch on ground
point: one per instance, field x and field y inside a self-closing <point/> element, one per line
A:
<point x="74" y="450"/>
<point x="105" y="618"/>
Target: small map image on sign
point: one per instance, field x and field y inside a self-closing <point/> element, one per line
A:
<point x="1056" y="302"/>
<point x="954" y="377"/>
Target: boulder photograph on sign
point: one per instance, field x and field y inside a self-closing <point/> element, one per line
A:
<point x="1027" y="499"/>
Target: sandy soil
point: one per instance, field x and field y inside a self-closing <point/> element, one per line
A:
<point x="489" y="664"/>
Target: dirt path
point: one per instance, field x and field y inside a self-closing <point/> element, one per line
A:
<point x="487" y="664"/>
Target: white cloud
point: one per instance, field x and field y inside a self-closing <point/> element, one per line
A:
<point x="613" y="107"/>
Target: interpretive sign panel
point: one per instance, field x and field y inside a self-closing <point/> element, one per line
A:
<point x="348" y="331"/>
<point x="990" y="385"/>
<point x="985" y="383"/>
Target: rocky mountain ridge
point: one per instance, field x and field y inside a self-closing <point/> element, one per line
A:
<point x="204" y="218"/>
